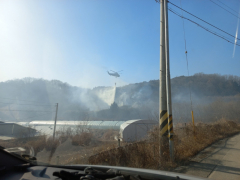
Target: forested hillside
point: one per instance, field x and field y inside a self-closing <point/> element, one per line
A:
<point x="201" y="85"/>
<point x="34" y="99"/>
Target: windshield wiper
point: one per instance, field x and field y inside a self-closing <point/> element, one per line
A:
<point x="93" y="174"/>
<point x="28" y="157"/>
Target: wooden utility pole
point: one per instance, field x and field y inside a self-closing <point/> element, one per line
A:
<point x="55" y="122"/>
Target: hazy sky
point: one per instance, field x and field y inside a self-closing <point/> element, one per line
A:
<point x="77" y="41"/>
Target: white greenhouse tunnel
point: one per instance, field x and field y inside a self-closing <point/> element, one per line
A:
<point x="135" y="130"/>
<point x="129" y="131"/>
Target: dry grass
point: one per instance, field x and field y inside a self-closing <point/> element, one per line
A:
<point x="38" y="143"/>
<point x="187" y="144"/>
<point x="83" y="157"/>
<point x="88" y="141"/>
<point x="110" y="134"/>
<point x="99" y="147"/>
<point x="145" y="154"/>
<point x="82" y="139"/>
<point x="51" y="145"/>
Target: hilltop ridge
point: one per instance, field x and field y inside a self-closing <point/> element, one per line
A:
<point x="78" y="103"/>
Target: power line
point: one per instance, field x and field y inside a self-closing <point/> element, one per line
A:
<point x="227" y="6"/>
<point x="225" y="9"/>
<point x="202" y="20"/>
<point x="21" y="100"/>
<point x="25" y="104"/>
<point x="212" y="32"/>
<point x="27" y="118"/>
<point x="25" y="110"/>
<point x="190" y="92"/>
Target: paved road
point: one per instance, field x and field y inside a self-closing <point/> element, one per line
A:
<point x="219" y="161"/>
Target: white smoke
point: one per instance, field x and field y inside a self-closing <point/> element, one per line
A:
<point x="106" y="94"/>
<point x="114" y="93"/>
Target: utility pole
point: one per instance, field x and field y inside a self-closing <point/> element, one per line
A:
<point x="165" y="104"/>
<point x="163" y="115"/>
<point x="55" y="122"/>
<point x="168" y="84"/>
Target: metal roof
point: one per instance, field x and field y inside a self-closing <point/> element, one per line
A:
<point x="73" y="123"/>
<point x="46" y="127"/>
<point x="137" y="121"/>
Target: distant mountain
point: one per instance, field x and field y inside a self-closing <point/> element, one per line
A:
<point x="202" y="86"/>
<point x="77" y="103"/>
<point x="40" y="98"/>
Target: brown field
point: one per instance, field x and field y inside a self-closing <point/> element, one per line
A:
<point x="145" y="154"/>
<point x="99" y="146"/>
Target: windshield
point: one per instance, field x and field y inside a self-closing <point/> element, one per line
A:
<point x="145" y="84"/>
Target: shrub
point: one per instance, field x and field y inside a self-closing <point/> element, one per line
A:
<point x="187" y="143"/>
<point x="82" y="139"/>
<point x="51" y="144"/>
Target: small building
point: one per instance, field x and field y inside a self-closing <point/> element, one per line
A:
<point x="13" y="130"/>
<point x="47" y="127"/>
<point x="135" y="130"/>
<point x="131" y="130"/>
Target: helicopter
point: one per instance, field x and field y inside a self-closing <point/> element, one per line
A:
<point x="114" y="73"/>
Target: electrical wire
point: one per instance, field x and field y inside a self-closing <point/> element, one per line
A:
<point x="27" y="118"/>
<point x="224" y="9"/>
<point x="212" y="32"/>
<point x="185" y="42"/>
<point x="24" y="110"/>
<point x="227" y="6"/>
<point x="22" y="100"/>
<point x="25" y="104"/>
<point x="202" y="20"/>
